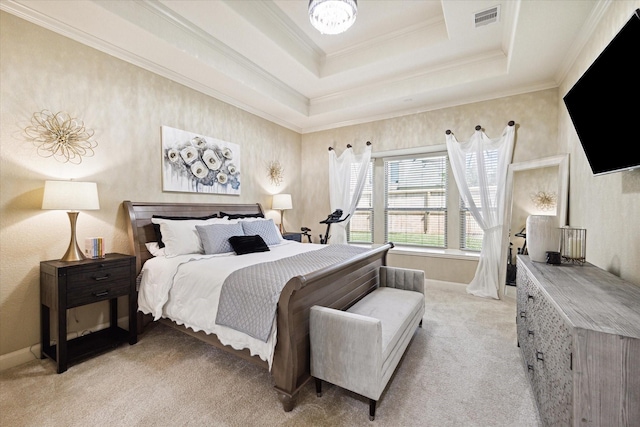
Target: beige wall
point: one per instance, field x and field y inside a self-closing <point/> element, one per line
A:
<point x="608" y="206"/>
<point x="535" y="115"/>
<point x="459" y="269"/>
<point x="126" y="106"/>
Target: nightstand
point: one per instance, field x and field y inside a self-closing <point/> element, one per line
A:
<point x="65" y="285"/>
<point x="293" y="236"/>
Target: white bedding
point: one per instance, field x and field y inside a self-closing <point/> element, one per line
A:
<point x="186" y="290"/>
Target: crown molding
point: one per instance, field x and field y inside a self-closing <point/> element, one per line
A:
<point x="587" y="30"/>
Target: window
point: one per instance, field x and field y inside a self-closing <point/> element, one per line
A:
<point x="416" y="200"/>
<point x="360" y="228"/>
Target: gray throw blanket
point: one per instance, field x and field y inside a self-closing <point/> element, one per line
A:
<point x="249" y="296"/>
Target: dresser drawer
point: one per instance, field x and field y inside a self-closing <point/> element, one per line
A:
<point x="525" y="293"/>
<point x="552" y="348"/>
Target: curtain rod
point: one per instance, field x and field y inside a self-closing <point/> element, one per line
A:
<point x="478" y="127"/>
<point x="349" y="145"/>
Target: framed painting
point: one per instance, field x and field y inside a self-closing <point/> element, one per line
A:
<point x="199" y="164"/>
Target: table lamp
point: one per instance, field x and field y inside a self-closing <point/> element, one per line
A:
<point x="281" y="202"/>
<point x="71" y="196"/>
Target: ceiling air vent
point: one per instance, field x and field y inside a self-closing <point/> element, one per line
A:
<point x="486" y="17"/>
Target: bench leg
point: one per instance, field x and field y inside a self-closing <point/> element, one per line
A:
<point x="372" y="409"/>
<point x="318" y="387"/>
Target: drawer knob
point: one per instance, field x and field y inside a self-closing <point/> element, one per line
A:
<point x="540" y="356"/>
<point x="529" y="296"/>
<point x="105" y="277"/>
<point x="530" y="367"/>
<point x="101" y="294"/>
<point x="523" y="315"/>
<point x="530" y="333"/>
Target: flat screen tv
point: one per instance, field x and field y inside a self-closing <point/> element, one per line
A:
<point x="604" y="104"/>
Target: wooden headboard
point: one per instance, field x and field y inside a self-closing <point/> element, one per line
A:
<point x="140" y="228"/>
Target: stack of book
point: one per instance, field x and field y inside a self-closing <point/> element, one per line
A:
<point x="93" y="247"/>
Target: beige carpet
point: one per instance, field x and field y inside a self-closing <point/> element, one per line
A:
<point x="462" y="368"/>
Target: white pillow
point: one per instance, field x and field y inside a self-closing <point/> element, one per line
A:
<point x="180" y="236"/>
<point x="154" y="248"/>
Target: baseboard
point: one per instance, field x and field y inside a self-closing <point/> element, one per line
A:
<point x="510" y="291"/>
<point x="28" y="354"/>
<point x="19" y="357"/>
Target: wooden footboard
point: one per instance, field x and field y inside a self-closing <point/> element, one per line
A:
<point x="338" y="286"/>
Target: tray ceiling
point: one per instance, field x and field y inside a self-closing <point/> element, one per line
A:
<point x="400" y="57"/>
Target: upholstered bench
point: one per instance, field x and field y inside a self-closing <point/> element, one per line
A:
<point x="359" y="349"/>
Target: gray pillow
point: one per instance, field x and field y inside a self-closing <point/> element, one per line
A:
<point x="215" y="237"/>
<point x="263" y="228"/>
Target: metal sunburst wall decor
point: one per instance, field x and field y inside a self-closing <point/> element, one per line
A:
<point x="545" y="201"/>
<point x="60" y="136"/>
<point x="276" y="172"/>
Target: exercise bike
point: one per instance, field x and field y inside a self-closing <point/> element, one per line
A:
<point x="333" y="218"/>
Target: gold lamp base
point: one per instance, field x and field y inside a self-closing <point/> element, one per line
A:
<point x="73" y="252"/>
<point x="282" y="230"/>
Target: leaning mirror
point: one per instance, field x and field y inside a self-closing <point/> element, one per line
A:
<point x="533" y="187"/>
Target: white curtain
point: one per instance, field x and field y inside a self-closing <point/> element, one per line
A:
<point x="341" y="169"/>
<point x="480" y="170"/>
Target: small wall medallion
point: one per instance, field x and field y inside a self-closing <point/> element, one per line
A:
<point x="276" y="172"/>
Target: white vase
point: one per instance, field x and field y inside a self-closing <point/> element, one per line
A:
<point x="543" y="234"/>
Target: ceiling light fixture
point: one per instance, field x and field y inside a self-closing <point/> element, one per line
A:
<point x="332" y="16"/>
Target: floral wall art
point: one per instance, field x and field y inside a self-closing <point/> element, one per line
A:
<point x="199" y="164"/>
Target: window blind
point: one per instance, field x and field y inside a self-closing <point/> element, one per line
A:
<point x="416" y="200"/>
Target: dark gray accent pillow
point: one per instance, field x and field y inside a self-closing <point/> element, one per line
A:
<point x="248" y="244"/>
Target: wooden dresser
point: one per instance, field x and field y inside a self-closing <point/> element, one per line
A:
<point x="579" y="334"/>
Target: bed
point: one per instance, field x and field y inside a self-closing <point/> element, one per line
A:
<point x="338" y="286"/>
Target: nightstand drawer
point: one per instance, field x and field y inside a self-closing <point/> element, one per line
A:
<point x="99" y="291"/>
<point x="77" y="279"/>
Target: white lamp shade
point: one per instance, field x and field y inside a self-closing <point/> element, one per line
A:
<point x="281" y="202"/>
<point x="70" y="195"/>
